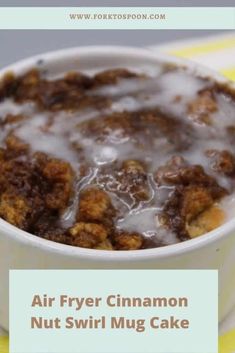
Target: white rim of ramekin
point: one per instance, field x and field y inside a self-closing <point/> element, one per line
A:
<point x="174" y="250"/>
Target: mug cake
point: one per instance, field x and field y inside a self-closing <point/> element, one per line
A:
<point x="118" y="159"/>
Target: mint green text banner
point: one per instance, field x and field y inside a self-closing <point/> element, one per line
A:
<point x="117" y="18"/>
<point x="184" y="320"/>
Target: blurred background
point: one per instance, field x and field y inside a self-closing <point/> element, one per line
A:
<point x="20" y="44"/>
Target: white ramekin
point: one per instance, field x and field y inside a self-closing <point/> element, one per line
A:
<point x="21" y="250"/>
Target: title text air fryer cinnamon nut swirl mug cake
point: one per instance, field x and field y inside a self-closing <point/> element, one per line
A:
<point x="116" y="149"/>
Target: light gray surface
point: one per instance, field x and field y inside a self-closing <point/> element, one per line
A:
<point x="16" y="45"/>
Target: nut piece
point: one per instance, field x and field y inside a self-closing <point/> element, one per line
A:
<point x="133" y="166"/>
<point x="105" y="245"/>
<point x="13" y="118"/>
<point x="14" y="209"/>
<point x="60" y="174"/>
<point x="58" y="171"/>
<point x="206" y="221"/>
<point x="195" y="200"/>
<point x="110" y="77"/>
<point x="87" y="235"/>
<point x="178" y="172"/>
<point x="95" y="206"/>
<point x="194" y="192"/>
<point x="201" y="108"/>
<point x="222" y="161"/>
<point x="171" y="172"/>
<point x="128" y="241"/>
<point x="56" y="235"/>
<point x="15" y="145"/>
<point x="133" y="179"/>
